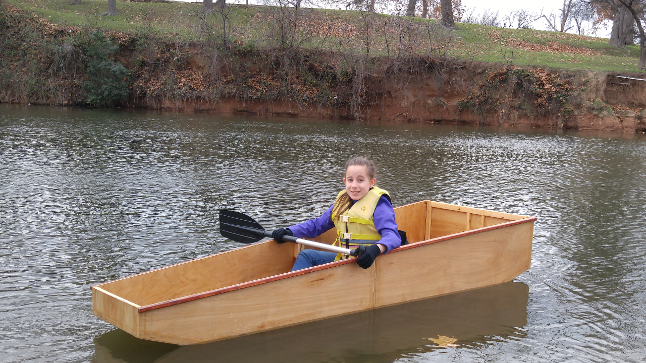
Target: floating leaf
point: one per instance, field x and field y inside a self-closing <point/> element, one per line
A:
<point x="444" y="341"/>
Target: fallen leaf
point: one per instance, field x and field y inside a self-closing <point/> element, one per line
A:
<point x="444" y="341"/>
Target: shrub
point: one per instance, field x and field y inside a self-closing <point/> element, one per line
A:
<point x="107" y="83"/>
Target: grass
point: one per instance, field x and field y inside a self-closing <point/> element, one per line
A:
<point x="169" y="19"/>
<point x="558" y="50"/>
<point x="349" y="31"/>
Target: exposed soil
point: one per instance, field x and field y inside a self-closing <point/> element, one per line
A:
<point x="599" y="101"/>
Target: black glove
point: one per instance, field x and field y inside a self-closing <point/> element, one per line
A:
<point x="368" y="257"/>
<point x="279" y="233"/>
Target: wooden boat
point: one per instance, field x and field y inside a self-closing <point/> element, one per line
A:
<point x="250" y="289"/>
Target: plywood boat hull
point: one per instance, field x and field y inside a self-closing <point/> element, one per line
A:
<point x="218" y="297"/>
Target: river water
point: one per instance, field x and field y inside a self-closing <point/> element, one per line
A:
<point x="89" y="196"/>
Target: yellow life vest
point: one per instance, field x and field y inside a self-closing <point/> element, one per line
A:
<point x="356" y="226"/>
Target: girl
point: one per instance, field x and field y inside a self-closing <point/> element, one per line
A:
<point x="362" y="215"/>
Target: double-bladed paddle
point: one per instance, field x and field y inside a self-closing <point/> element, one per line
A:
<point x="242" y="228"/>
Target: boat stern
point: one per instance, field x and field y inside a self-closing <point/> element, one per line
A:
<point x="115" y="310"/>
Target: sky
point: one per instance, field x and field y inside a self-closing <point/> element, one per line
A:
<point x="505" y="7"/>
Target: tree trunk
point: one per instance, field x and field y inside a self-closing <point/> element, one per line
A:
<point x="622" y="28"/>
<point x="75" y="2"/>
<point x="221" y="3"/>
<point x="565" y="14"/>
<point x="636" y="15"/>
<point x="112" y="8"/>
<point x="424" y="9"/>
<point x="411" y="8"/>
<point x="447" y="14"/>
<point x="642" y="57"/>
<point x="207" y="6"/>
<point x="642" y="39"/>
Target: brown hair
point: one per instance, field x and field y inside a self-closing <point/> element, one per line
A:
<point x="344" y="202"/>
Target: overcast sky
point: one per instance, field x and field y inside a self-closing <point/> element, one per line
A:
<point x="505" y="7"/>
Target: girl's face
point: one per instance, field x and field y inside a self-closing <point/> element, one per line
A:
<point x="357" y="182"/>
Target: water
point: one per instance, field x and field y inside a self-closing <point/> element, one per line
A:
<point x="88" y="196"/>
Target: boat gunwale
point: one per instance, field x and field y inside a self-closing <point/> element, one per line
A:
<point x="290" y="274"/>
<point x="114" y="296"/>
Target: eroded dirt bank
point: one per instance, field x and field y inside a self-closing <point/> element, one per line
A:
<point x="44" y="63"/>
<point x="443" y="91"/>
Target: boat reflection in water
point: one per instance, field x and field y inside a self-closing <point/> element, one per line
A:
<point x="466" y="318"/>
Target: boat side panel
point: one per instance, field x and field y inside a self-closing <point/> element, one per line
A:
<point x="412" y="219"/>
<point x="484" y="212"/>
<point x="467" y="262"/>
<point x="115" y="311"/>
<point x="213" y="272"/>
<point x="289" y="301"/>
<point x="445" y="222"/>
<point x="492" y="221"/>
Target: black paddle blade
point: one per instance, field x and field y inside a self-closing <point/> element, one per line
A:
<point x="240" y="227"/>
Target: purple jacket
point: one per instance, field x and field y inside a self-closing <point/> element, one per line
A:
<point x="384" y="218"/>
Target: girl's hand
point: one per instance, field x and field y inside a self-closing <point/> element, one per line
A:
<point x="369" y="256"/>
<point x="279" y="233"/>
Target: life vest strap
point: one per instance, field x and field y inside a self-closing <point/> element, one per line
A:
<point x="352" y="237"/>
<point x="348" y="219"/>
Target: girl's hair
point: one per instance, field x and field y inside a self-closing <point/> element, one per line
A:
<point x="344" y="202"/>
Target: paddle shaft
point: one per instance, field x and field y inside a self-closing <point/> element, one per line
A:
<point x="306" y="242"/>
<point x="322" y="246"/>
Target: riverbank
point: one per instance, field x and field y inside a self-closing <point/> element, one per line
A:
<point x="376" y="75"/>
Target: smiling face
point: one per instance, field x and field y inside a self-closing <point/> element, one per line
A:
<point x="357" y="181"/>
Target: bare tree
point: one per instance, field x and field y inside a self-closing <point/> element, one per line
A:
<point x="362" y="5"/>
<point x="224" y="13"/>
<point x="560" y="22"/>
<point x="488" y="17"/>
<point x="207" y="6"/>
<point x="583" y="13"/>
<point x="623" y="24"/>
<point x="112" y="8"/>
<point x="447" y="14"/>
<point x="368" y="23"/>
<point x="285" y="23"/>
<point x="636" y="8"/>
<point x="410" y="11"/>
<point x="623" y="28"/>
<point x="520" y="19"/>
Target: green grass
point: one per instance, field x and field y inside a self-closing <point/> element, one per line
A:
<point x="170" y="19"/>
<point x="346" y="31"/>
<point x="479" y="44"/>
